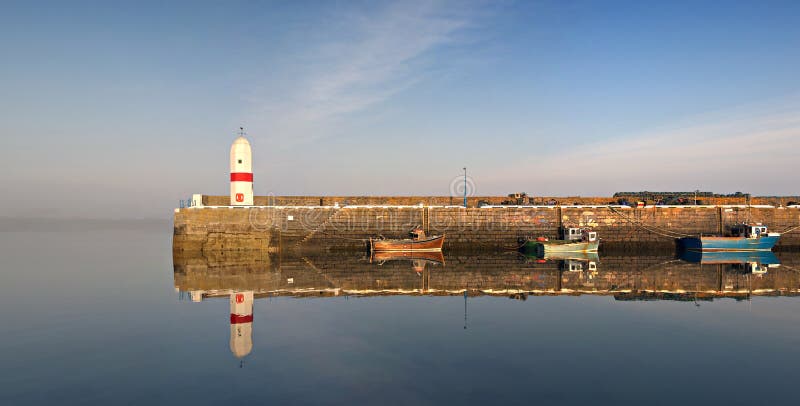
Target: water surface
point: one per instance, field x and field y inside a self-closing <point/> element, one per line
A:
<point x="106" y="315"/>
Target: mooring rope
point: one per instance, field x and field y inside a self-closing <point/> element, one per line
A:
<point x="791" y="268"/>
<point x="791" y="229"/>
<point x="669" y="234"/>
<point x="341" y="237"/>
<point x="517" y="248"/>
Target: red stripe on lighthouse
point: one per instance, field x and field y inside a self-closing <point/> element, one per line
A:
<point x="241" y="318"/>
<point x="241" y="177"/>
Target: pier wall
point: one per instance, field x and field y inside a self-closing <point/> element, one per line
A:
<point x="329" y="228"/>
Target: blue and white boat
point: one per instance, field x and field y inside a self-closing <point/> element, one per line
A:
<point x="743" y="237"/>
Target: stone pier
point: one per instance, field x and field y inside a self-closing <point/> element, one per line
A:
<point x="346" y="224"/>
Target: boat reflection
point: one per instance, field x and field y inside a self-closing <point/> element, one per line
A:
<point x="755" y="262"/>
<point x="418" y="259"/>
<point x="581" y="266"/>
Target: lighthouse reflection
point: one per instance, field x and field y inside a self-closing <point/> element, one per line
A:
<point x="244" y="277"/>
<point x="241" y="318"/>
<point x="241" y="323"/>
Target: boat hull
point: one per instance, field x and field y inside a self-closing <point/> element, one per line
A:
<point x="730" y="257"/>
<point x="554" y="247"/>
<point x="579" y="256"/>
<point x="562" y="256"/>
<point x="428" y="244"/>
<point x="763" y="243"/>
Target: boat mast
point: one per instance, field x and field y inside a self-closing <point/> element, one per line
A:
<point x="465" y="308"/>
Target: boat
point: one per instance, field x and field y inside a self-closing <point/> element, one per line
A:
<point x="560" y="256"/>
<point x="743" y="237"/>
<point x="573" y="239"/>
<point x="581" y="256"/>
<point x="418" y="242"/>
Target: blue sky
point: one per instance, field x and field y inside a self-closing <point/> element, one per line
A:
<point x="120" y="110"/>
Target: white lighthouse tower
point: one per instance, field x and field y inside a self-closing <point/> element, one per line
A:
<point x="241" y="323"/>
<point x="241" y="172"/>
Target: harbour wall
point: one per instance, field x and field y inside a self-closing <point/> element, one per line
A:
<point x="328" y="228"/>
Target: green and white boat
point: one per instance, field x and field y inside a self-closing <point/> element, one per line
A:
<point x="572" y="240"/>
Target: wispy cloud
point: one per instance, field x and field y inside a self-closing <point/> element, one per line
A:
<point x="372" y="59"/>
<point x="728" y="151"/>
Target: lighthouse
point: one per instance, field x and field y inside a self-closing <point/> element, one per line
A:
<point x="241" y="323"/>
<point x="241" y="172"/>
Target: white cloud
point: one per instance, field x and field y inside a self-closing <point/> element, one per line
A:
<point x="376" y="57"/>
<point x="731" y="151"/>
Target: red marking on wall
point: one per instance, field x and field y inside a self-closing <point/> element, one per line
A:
<point x="241" y="318"/>
<point x="241" y="177"/>
<point x="239" y="298"/>
<point x="240" y="197"/>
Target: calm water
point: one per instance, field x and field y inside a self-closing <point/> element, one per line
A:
<point x="99" y="316"/>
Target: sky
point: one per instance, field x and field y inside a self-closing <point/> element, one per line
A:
<point x="121" y="109"/>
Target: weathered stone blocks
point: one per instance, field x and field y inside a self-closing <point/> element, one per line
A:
<point x="348" y="228"/>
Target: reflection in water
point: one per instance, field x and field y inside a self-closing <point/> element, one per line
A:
<point x="494" y="274"/>
<point x="755" y="262"/>
<point x="241" y="323"/>
<point x="101" y="306"/>
<point x="241" y="317"/>
<point x="242" y="278"/>
<point x="418" y="259"/>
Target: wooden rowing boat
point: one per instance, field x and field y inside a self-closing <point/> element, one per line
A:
<point x="419" y="242"/>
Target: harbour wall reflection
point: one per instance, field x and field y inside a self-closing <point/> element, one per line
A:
<point x="496" y="274"/>
<point x="244" y="277"/>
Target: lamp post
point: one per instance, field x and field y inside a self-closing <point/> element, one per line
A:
<point x="695" y="196"/>
<point x="465" y="188"/>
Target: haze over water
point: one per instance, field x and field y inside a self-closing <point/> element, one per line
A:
<point x="93" y="316"/>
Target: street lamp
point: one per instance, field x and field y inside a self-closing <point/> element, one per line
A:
<point x="465" y="188"/>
